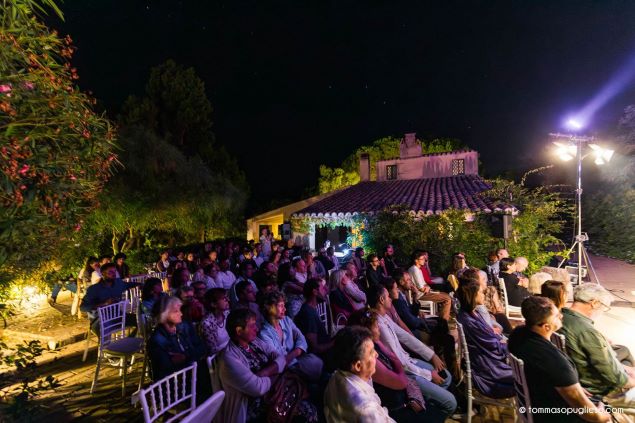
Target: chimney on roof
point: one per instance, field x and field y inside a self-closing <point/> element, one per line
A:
<point x="364" y="167"/>
<point x="409" y="147"/>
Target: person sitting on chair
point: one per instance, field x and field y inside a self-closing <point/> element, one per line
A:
<point x="551" y="376"/>
<point x="516" y="288"/>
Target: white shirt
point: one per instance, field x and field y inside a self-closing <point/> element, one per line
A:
<point x="225" y="279"/>
<point x="95" y="277"/>
<point x="417" y="276"/>
<point x="349" y="398"/>
<point x="301" y="277"/>
<point x="392" y="335"/>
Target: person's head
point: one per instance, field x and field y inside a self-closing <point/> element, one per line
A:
<point x="180" y="277"/>
<point x="502" y="253"/>
<point x="275" y="257"/>
<point x="507" y="264"/>
<point x="419" y="258"/>
<point x="330" y="251"/>
<point x="521" y="264"/>
<point x="378" y="298"/>
<point x="389" y="250"/>
<point x="351" y="271"/>
<point x="241" y="325"/>
<point x="472" y="274"/>
<point x="92" y="264"/>
<point x="185" y="293"/>
<point x="245" y="292"/>
<point x="299" y="265"/>
<point x="268" y="268"/>
<point x="492" y="257"/>
<point x="591" y="299"/>
<point x="216" y="299"/>
<point x="541" y="315"/>
<point x="366" y="318"/>
<point x="152" y="289"/>
<point x="264" y="232"/>
<point x="180" y="255"/>
<point x="536" y="280"/>
<point x="314" y="288"/>
<point x="273" y="306"/>
<point x="103" y="259"/>
<point x="556" y="291"/>
<point x="269" y="284"/>
<point x="108" y="271"/>
<point x="247" y="269"/>
<point x="212" y="255"/>
<point x="359" y="252"/>
<point x="286" y="273"/>
<point x="340" y="278"/>
<point x="403" y="278"/>
<point x="458" y="262"/>
<point x="373" y="260"/>
<point x="168" y="311"/>
<point x="470" y="295"/>
<point x="119" y="259"/>
<point x="391" y="286"/>
<point x="199" y="289"/>
<point x="211" y="270"/>
<point x="286" y="254"/>
<point x="307" y="256"/>
<point x="190" y="257"/>
<point x="354" y="352"/>
<point x="165" y="254"/>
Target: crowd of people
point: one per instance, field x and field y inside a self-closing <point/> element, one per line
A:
<point x="259" y="310"/>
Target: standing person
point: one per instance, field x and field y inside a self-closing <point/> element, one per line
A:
<point x="551" y="375"/>
<point x="164" y="261"/>
<point x="325" y="260"/>
<point x="266" y="239"/>
<point x="349" y="395"/>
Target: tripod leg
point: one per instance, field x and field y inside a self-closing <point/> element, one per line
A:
<point x="589" y="265"/>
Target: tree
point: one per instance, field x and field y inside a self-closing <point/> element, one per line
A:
<point x="385" y="148"/>
<point x="56" y="153"/>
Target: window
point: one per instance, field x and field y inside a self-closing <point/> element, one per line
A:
<point x="458" y="167"/>
<point x="391" y="172"/>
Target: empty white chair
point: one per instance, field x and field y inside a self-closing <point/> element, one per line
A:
<point x="206" y="412"/>
<point x="473" y="396"/>
<point x="114" y="345"/>
<point x="132" y="296"/>
<point x="428" y="307"/>
<point x="174" y="394"/>
<point x="512" y="312"/>
<point x="521" y="388"/>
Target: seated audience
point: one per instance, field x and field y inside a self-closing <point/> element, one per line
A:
<point x="280" y="331"/>
<point x="359" y="263"/>
<point x="226" y="277"/>
<point x="314" y="268"/>
<point x="349" y="395"/>
<point x="398" y="393"/>
<point x="497" y="321"/>
<point x="123" y="271"/>
<point x="390" y="263"/>
<point x="180" y="277"/>
<point x="292" y="284"/>
<point x="492" y="269"/>
<point x="191" y="308"/>
<point x="344" y="281"/>
<point x="516" y="288"/>
<point x="325" y="260"/>
<point x="308" y="320"/>
<point x="600" y="370"/>
<point x="174" y="343"/>
<point x="212" y="327"/>
<point x="535" y="282"/>
<point x="249" y="371"/>
<point x="420" y="275"/>
<point x="247" y="270"/>
<point x="374" y="271"/>
<point x="551" y="376"/>
<point x="431" y="375"/>
<point x="96" y="275"/>
<point x="150" y="294"/>
<point x="164" y="261"/>
<point x="556" y="291"/>
<point x="491" y="374"/>
<point x="413" y="295"/>
<point x="247" y="299"/>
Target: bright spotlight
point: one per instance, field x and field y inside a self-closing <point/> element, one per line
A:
<point x="574" y="124"/>
<point x="601" y="154"/>
<point x="566" y="152"/>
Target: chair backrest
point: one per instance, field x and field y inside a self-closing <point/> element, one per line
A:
<point x="170" y="393"/>
<point x="136" y="279"/>
<point x="205" y="412"/>
<point x="133" y="297"/>
<point x="211" y="369"/>
<point x="559" y="341"/>
<point x="521" y="388"/>
<point x="112" y="323"/>
<point x="160" y="275"/>
<point x="465" y="359"/>
<point x="323" y="312"/>
<point x="339" y="323"/>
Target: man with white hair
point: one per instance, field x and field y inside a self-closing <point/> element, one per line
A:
<point x="599" y="369"/>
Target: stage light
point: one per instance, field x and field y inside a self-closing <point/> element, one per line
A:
<point x="566" y="152"/>
<point x="574" y="124"/>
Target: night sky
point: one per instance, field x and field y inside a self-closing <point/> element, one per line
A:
<point x="296" y="83"/>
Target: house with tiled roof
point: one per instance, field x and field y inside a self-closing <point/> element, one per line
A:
<point x="425" y="184"/>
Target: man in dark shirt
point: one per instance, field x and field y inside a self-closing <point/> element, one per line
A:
<point x="308" y="319"/>
<point x="551" y="376"/>
<point x="389" y="262"/>
<point x="516" y="290"/>
<point x="374" y="272"/>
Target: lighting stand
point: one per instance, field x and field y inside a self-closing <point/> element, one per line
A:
<point x="579" y="243"/>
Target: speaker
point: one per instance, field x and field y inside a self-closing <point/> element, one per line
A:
<point x="502" y="226"/>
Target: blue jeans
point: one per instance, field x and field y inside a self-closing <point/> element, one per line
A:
<point x="437" y="394"/>
<point x="71" y="286"/>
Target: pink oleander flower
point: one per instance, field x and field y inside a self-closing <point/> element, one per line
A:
<point x="24" y="170"/>
<point x="5" y="88"/>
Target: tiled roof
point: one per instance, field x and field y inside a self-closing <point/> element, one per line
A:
<point x="422" y="196"/>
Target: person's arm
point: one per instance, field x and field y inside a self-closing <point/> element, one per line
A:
<point x="406" y="316"/>
<point x="354" y="292"/>
<point x="299" y="341"/>
<point x="235" y="374"/>
<point x="575" y="397"/>
<point x="412" y="343"/>
<point x="599" y="355"/>
<point x="388" y="378"/>
<point x="312" y="340"/>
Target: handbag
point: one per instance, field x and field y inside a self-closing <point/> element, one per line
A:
<point x="284" y="397"/>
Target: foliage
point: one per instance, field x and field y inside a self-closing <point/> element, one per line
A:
<point x="347" y="173"/>
<point x="541" y="216"/>
<point x="608" y="212"/>
<point x="56" y="153"/>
